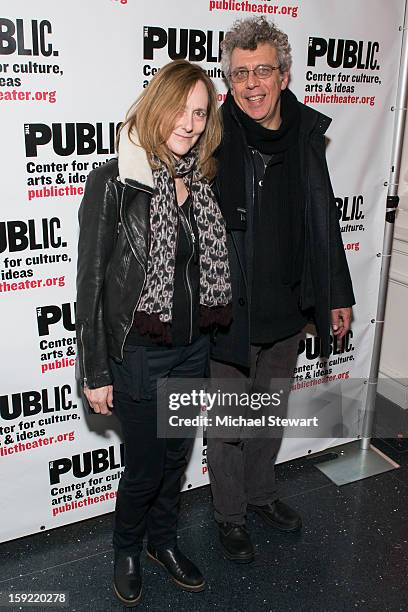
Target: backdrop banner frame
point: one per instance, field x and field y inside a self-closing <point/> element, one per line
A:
<point x="392" y="201"/>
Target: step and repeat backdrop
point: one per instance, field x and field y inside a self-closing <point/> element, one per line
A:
<point x="68" y="73"/>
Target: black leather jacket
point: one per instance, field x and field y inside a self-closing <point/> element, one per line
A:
<point x="112" y="259"/>
<point x="114" y="241"/>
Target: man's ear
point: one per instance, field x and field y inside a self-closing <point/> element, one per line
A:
<point x="284" y="80"/>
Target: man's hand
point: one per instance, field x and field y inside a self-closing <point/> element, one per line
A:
<point x="101" y="399"/>
<point x="341" y="319"/>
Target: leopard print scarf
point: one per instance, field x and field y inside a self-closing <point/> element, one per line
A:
<point x="215" y="284"/>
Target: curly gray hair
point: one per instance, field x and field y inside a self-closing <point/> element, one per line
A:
<point x="248" y="34"/>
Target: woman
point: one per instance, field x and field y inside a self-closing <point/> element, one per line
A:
<point x="153" y="275"/>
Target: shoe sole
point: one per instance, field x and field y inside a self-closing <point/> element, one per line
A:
<point x="185" y="587"/>
<point x="126" y="602"/>
<point x="276" y="525"/>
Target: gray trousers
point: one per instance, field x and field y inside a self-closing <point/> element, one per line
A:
<point x="242" y="471"/>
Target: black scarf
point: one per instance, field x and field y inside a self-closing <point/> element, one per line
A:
<point x="239" y="131"/>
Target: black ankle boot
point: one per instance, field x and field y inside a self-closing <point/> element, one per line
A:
<point x="236" y="543"/>
<point x="182" y="571"/>
<point x="127" y="579"/>
<point x="279" y="515"/>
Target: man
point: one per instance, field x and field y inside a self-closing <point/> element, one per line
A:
<point x="286" y="256"/>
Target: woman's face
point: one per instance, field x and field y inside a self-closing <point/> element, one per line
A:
<point x="190" y="122"/>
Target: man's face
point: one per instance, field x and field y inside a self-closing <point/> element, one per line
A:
<point x="259" y="98"/>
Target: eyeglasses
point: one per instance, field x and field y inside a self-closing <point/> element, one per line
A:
<point x="263" y="71"/>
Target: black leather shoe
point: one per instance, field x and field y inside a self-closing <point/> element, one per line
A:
<point x="279" y="515"/>
<point x="127" y="579"/>
<point x="182" y="571"/>
<point x="236" y="543"/>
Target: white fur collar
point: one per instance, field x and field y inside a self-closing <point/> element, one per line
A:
<point x="132" y="160"/>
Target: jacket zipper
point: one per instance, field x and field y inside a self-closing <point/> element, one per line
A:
<point x="144" y="279"/>
<point x="83" y="355"/>
<point x="133" y="316"/>
<point x="188" y="224"/>
<point x="244" y="269"/>
<point x="305" y="220"/>
<point x="190" y="235"/>
<point x="191" y="298"/>
<point x="249" y="290"/>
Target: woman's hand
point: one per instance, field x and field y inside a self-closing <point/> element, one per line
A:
<point x="101" y="399"/>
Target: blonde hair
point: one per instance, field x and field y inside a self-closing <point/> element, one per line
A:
<point x="154" y="113"/>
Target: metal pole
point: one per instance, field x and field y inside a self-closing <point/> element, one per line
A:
<point x="392" y="202"/>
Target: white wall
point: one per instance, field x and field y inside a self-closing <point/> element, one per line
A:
<point x="394" y="357"/>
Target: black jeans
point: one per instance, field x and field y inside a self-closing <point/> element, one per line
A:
<point x="149" y="489"/>
<point x="242" y="471"/>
